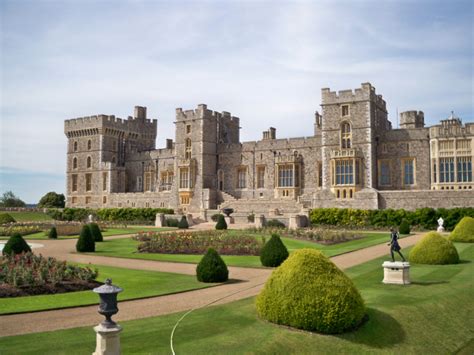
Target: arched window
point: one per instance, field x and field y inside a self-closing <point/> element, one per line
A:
<point x="75" y="146"/>
<point x="89" y="162"/>
<point x="187" y="151"/>
<point x="74" y="163"/>
<point x="89" y="144"/>
<point x="346" y="135"/>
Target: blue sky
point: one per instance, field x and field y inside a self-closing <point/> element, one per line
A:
<point x="264" y="61"/>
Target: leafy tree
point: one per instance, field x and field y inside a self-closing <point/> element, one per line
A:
<point x="52" y="200"/>
<point x="9" y="199"/>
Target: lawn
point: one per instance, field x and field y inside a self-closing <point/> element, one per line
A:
<point x="136" y="284"/>
<point x="432" y="315"/>
<point x="127" y="248"/>
<point x="28" y="216"/>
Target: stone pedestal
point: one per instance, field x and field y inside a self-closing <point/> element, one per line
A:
<point x="160" y="220"/>
<point x="108" y="340"/>
<point x="440" y="229"/>
<point x="189" y="218"/>
<point x="229" y="220"/>
<point x="397" y="272"/>
<point x="259" y="221"/>
<point x="295" y="222"/>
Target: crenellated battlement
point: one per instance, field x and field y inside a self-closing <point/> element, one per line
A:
<point x="203" y="112"/>
<point x="364" y="93"/>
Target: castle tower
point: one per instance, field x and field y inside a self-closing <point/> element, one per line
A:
<point x="412" y="119"/>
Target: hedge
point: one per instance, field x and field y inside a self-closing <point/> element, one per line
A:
<point x="425" y="218"/>
<point x="109" y="214"/>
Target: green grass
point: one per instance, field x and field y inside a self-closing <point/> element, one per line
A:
<point x="29" y="216"/>
<point x="432" y="315"/>
<point x="127" y="248"/>
<point x="136" y="284"/>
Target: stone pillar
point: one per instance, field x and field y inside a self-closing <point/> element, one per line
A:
<point x="397" y="272"/>
<point x="295" y="222"/>
<point x="259" y="221"/>
<point x="160" y="220"/>
<point x="229" y="220"/>
<point x="108" y="340"/>
<point x="189" y="218"/>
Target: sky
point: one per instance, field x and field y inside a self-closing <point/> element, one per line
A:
<point x="263" y="61"/>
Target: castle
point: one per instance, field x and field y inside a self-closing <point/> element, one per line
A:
<point x="353" y="158"/>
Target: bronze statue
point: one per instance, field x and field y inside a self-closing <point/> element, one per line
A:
<point x="394" y="246"/>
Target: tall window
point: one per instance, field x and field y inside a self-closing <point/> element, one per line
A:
<point x="187" y="152"/>
<point x="75" y="146"/>
<point x="344" y="110"/>
<point x="344" y="172"/>
<point x="346" y="135"/>
<point x="408" y="171"/>
<point x="166" y="180"/>
<point x="384" y="173"/>
<point x="184" y="181"/>
<point x="320" y="174"/>
<point x="434" y="171"/>
<point x="89" y="144"/>
<point x="89" y="162"/>
<point x="74" y="163"/>
<point x="188" y="129"/>
<point x="446" y="170"/>
<point x="74" y="182"/>
<point x="260" y="177"/>
<point x="288" y="175"/>
<point x="148" y="181"/>
<point x="104" y="181"/>
<point x="88" y="182"/>
<point x="242" y="178"/>
<point x="139" y="183"/>
<point x="464" y="169"/>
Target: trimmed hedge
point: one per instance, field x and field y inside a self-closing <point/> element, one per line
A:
<point x="404" y="227"/>
<point x="183" y="223"/>
<point x="172" y="222"/>
<point x="434" y="249"/>
<point x="16" y="245"/>
<point x="85" y="243"/>
<point x="274" y="252"/>
<point x="109" y="214"/>
<point x="53" y="233"/>
<point x="221" y="223"/>
<point x="6" y="218"/>
<point x="212" y="268"/>
<point x="464" y="231"/>
<point x="96" y="233"/>
<point x="309" y="292"/>
<point x="425" y="218"/>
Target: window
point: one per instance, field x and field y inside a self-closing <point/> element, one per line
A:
<point x="288" y="175"/>
<point x="446" y="170"/>
<point x="75" y="146"/>
<point x="88" y="200"/>
<point x="344" y="110"/>
<point x="434" y="171"/>
<point x="320" y="174"/>
<point x="346" y="135"/>
<point x="242" y="178"/>
<point x="89" y="162"/>
<point x="148" y="181"/>
<point x="260" y="177"/>
<point x="384" y="173"/>
<point x="104" y="200"/>
<point x="344" y="172"/>
<point x="89" y="144"/>
<point x="74" y="163"/>
<point x="408" y="171"/>
<point x="74" y="200"/>
<point x="104" y="181"/>
<point x="139" y="183"/>
<point x="184" y="181"/>
<point x="464" y="169"/>
<point x="166" y="180"/>
<point x="187" y="152"/>
<point x="88" y="182"/>
<point x="188" y="129"/>
<point x="74" y="182"/>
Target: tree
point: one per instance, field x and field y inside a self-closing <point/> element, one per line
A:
<point x="221" y="223"/>
<point x="96" y="233"/>
<point x="16" y="245"/>
<point x="274" y="252"/>
<point x="212" y="268"/>
<point x="52" y="200"/>
<point x="183" y="223"/>
<point x="9" y="199"/>
<point x="85" y="243"/>
<point x="53" y="233"/>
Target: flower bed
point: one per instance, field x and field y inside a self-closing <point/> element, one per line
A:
<point x="198" y="243"/>
<point x="29" y="274"/>
<point x="21" y="229"/>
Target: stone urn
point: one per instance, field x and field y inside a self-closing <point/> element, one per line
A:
<point x="228" y="211"/>
<point x="108" y="302"/>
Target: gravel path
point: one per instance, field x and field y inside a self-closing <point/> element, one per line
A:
<point x="250" y="282"/>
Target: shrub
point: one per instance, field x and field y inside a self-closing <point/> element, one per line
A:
<point x="274" y="252"/>
<point x="404" y="227"/>
<point x="215" y="217"/>
<point x="53" y="233"/>
<point x="172" y="222"/>
<point x="464" y="231"/>
<point x="85" y="243"/>
<point x="20" y="229"/>
<point x="212" y="268"/>
<point x="221" y="223"/>
<point x="16" y="245"/>
<point x="6" y="218"/>
<point x="251" y="218"/>
<point x="275" y="223"/>
<point x="309" y="292"/>
<point x="183" y="223"/>
<point x="96" y="233"/>
<point x="435" y="250"/>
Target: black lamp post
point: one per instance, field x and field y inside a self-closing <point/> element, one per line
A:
<point x="108" y="302"/>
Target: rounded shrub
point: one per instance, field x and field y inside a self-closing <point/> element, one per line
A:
<point x="274" y="252"/>
<point x="53" y="233"/>
<point x="404" y="227"/>
<point x="16" y="245"/>
<point x="464" y="231"/>
<point x="221" y="223"/>
<point x="183" y="223"/>
<point x="96" y="233"/>
<point x="212" y="268"/>
<point x="85" y="243"/>
<point x="434" y="249"/>
<point x="309" y="292"/>
<point x="6" y="218"/>
<point x="172" y="222"/>
<point x="274" y="223"/>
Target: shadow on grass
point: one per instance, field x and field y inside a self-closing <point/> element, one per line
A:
<point x="428" y="283"/>
<point x="381" y="330"/>
<point x="465" y="261"/>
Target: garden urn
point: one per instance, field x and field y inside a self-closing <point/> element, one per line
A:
<point x="108" y="302"/>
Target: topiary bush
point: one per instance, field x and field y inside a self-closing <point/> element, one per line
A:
<point x="274" y="252"/>
<point x="309" y="292"/>
<point x="6" y="218"/>
<point x="183" y="223"/>
<point x="215" y="217"/>
<point x="53" y="233"/>
<point x="16" y="245"/>
<point x="464" y="231"/>
<point x="172" y="222"/>
<point x="433" y="249"/>
<point x="212" y="268"/>
<point x="404" y="227"/>
<point x="221" y="223"/>
<point x="85" y="243"/>
<point x="274" y="223"/>
<point x="96" y="233"/>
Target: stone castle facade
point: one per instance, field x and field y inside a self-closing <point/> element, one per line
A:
<point x="353" y="158"/>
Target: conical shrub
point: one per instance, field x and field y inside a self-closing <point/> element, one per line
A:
<point x="221" y="223"/>
<point x="96" y="233"/>
<point x="212" y="268"/>
<point x="404" y="227"/>
<point x="85" y="243"/>
<point x="6" y="218"/>
<point x="464" y="231"/>
<point x="274" y="252"/>
<point x="434" y="249"/>
<point x="183" y="223"/>
<point x="16" y="245"/>
<point x="53" y="233"/>
<point x="309" y="292"/>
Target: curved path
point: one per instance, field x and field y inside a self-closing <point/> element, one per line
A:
<point x="250" y="282"/>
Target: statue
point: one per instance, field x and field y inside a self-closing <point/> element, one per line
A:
<point x="440" y="225"/>
<point x="90" y="218"/>
<point x="394" y="246"/>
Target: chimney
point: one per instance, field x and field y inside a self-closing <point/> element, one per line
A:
<point x="140" y="112"/>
